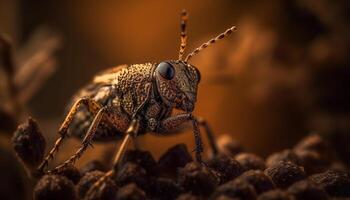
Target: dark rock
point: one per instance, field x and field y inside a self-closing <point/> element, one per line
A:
<point x="226" y="168"/>
<point x="70" y="172"/>
<point x="173" y="159"/>
<point x="107" y="190"/>
<point x="141" y="158"/>
<point x="334" y="182"/>
<point x="258" y="179"/>
<point x="284" y="174"/>
<point x="131" y="192"/>
<point x="197" y="179"/>
<point x="54" y="187"/>
<point x="164" y="189"/>
<point x="275" y="195"/>
<point x="285" y="156"/>
<point x="235" y="189"/>
<point x="29" y="143"/>
<point x="307" y="190"/>
<point x="250" y="161"/>
<point x="132" y="173"/>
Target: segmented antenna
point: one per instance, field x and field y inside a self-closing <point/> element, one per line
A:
<point x="183" y="25"/>
<point x="210" y="42"/>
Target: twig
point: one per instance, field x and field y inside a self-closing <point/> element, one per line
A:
<point x="9" y="68"/>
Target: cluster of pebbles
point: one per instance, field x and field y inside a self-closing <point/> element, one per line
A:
<point x="310" y="170"/>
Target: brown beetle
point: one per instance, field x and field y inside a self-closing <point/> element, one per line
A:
<point x="131" y="100"/>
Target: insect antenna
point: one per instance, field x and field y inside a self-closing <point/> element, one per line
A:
<point x="210" y="42"/>
<point x="183" y="26"/>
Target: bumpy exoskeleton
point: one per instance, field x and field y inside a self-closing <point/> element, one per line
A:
<point x="131" y="100"/>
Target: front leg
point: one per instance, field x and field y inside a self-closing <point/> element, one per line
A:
<point x="212" y="142"/>
<point x="173" y="122"/>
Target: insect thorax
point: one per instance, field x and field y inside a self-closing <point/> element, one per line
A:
<point x="124" y="89"/>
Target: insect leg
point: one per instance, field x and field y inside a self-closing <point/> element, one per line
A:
<point x="198" y="141"/>
<point x="173" y="122"/>
<point x="92" y="106"/>
<point x="130" y="133"/>
<point x="169" y="124"/>
<point x="212" y="142"/>
<point x="86" y="141"/>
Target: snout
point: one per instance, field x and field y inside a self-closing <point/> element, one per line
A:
<point x="189" y="102"/>
<point x="191" y="96"/>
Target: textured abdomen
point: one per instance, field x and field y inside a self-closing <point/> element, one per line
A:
<point x="101" y="93"/>
<point x="124" y="89"/>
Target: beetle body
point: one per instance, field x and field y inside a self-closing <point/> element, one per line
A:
<point x="131" y="100"/>
<point x="137" y="90"/>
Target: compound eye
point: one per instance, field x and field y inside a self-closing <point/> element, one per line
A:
<point x="166" y="70"/>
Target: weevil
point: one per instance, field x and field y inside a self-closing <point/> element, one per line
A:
<point x="131" y="100"/>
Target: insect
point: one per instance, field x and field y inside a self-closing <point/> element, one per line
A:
<point x="131" y="100"/>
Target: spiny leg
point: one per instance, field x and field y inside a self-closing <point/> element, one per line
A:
<point x="174" y="122"/>
<point x="130" y="133"/>
<point x="86" y="141"/>
<point x="198" y="141"/>
<point x="212" y="142"/>
<point x="92" y="106"/>
<point x="183" y="37"/>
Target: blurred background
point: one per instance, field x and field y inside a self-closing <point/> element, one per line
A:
<point x="282" y="75"/>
